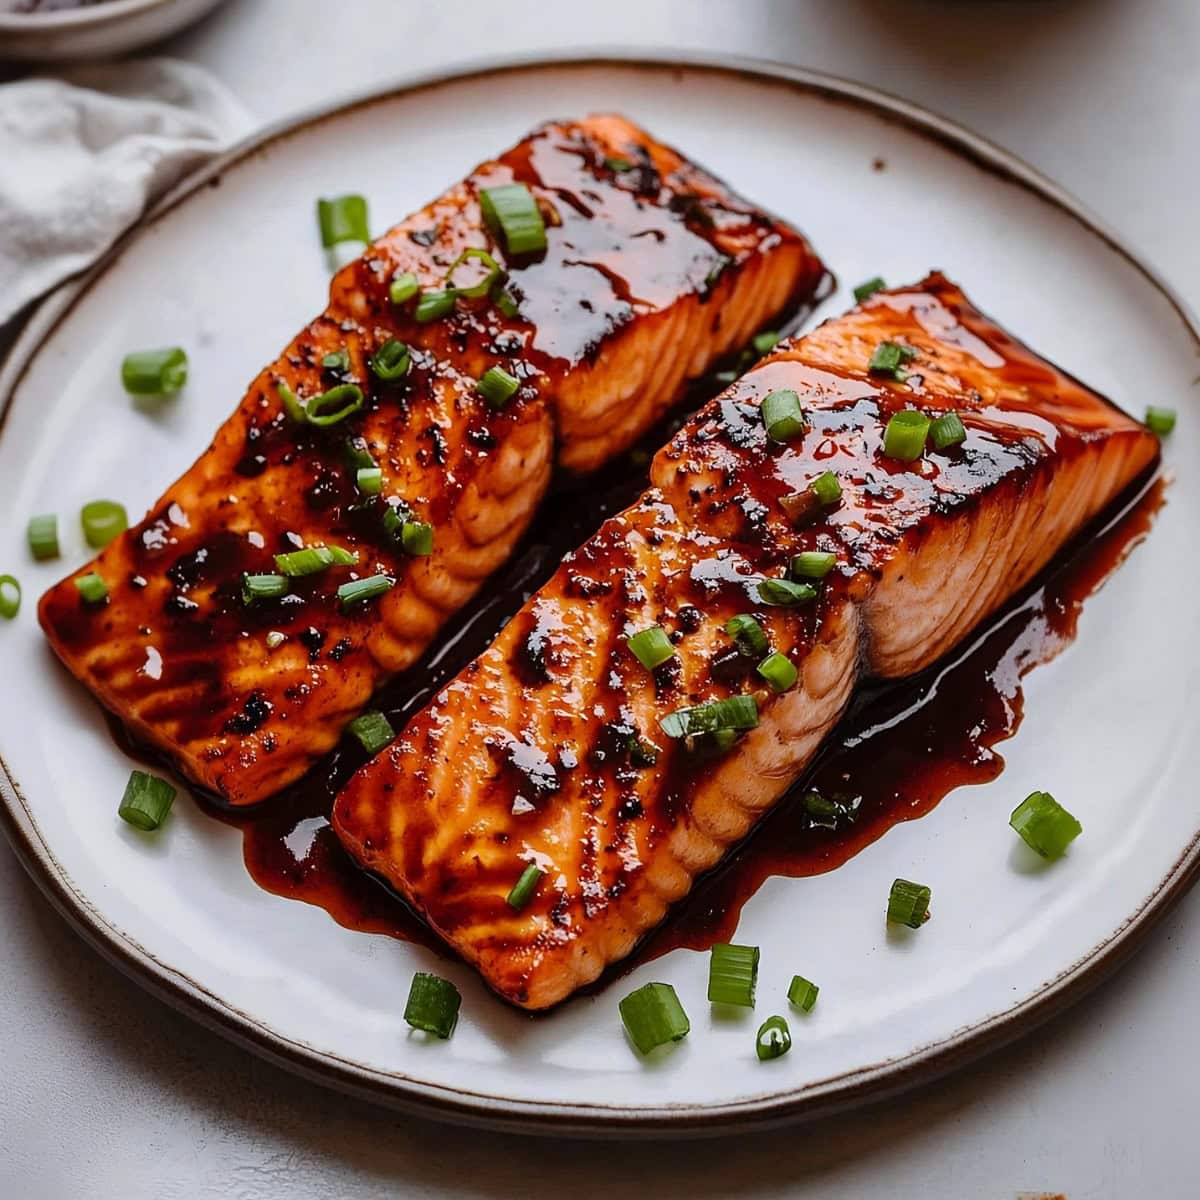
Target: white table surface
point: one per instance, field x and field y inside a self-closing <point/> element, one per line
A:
<point x="105" y="1093"/>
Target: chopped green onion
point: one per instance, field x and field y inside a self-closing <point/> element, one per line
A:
<point x="782" y="415"/>
<point x="653" y="1016"/>
<point x="503" y="299"/>
<point x="336" y="360"/>
<point x="91" y="587"/>
<point x="42" y="532"/>
<point x="432" y="306"/>
<point x="146" y="801"/>
<point x="812" y="564"/>
<point x="765" y="342"/>
<point x="865" y="291"/>
<point x="523" y="889"/>
<point x="889" y="359"/>
<point x="102" y="521"/>
<point x="344" y="253"/>
<point x="474" y="290"/>
<point x="433" y="1005"/>
<point x="732" y="713"/>
<point x="155" y="372"/>
<point x="513" y="215"/>
<point x="313" y="559"/>
<point x="292" y="404"/>
<point x="908" y="903"/>
<point x="732" y="974"/>
<point x="358" y="454"/>
<point x="263" y="587"/>
<point x="1160" y="420"/>
<point x="369" y="480"/>
<point x="359" y="590"/>
<point x="348" y="395"/>
<point x="373" y="731"/>
<point x="497" y="387"/>
<point x="774" y="1039"/>
<point x="782" y="592"/>
<point x="802" y="993"/>
<point x="342" y="219"/>
<point x="827" y="488"/>
<point x="10" y="595"/>
<point x="642" y="751"/>
<point x="617" y="164"/>
<point x="779" y="671"/>
<point x="904" y="437"/>
<point x="748" y="635"/>
<point x="948" y="430"/>
<point x="1044" y="825"/>
<point x="416" y="538"/>
<point x="651" y="647"/>
<point x="403" y="287"/>
<point x="391" y="361"/>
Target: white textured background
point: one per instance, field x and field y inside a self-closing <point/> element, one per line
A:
<point x="105" y="1094"/>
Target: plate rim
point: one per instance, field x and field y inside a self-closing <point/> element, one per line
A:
<point x="837" y="1093"/>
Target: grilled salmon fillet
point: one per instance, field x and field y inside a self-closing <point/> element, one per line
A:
<point x="556" y="747"/>
<point x="653" y="270"/>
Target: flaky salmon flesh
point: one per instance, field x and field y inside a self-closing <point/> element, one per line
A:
<point x="653" y="270"/>
<point x="556" y="746"/>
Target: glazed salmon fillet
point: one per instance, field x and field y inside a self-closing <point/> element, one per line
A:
<point x="559" y="748"/>
<point x="652" y="271"/>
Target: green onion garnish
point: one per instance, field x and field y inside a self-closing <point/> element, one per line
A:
<point x="263" y="587"/>
<point x="617" y="164"/>
<point x="404" y="286"/>
<point x="391" y="361"/>
<point x="369" y="480"/>
<point x="653" y="1016"/>
<point x="513" y="215"/>
<point x="10" y="596"/>
<point x="948" y="430"/>
<point x="523" y="889"/>
<point x="146" y="801"/>
<point x="336" y="360"/>
<point x="651" y="647"/>
<point x="732" y="713"/>
<point x="358" y="454"/>
<point x="865" y="291"/>
<point x="92" y="588"/>
<point x="154" y="372"/>
<point x="433" y="1005"/>
<point x="780" y="592"/>
<point x="1045" y="825"/>
<point x="782" y="415"/>
<point x="1160" y="420"/>
<point x="334" y="405"/>
<point x="812" y="564"/>
<point x="42" y="533"/>
<point x="827" y="488"/>
<point x="779" y="671"/>
<point x="343" y="219"/>
<point x="102" y="521"/>
<point x="904" y="437"/>
<point x="373" y="731"/>
<point x="474" y="290"/>
<point x="732" y="974"/>
<point x="908" y="903"/>
<point x="504" y="300"/>
<point x="313" y="559"/>
<point x="748" y="635"/>
<point x="416" y="538"/>
<point x="774" y="1039"/>
<point x="292" y="404"/>
<point x="765" y="342"/>
<point x="497" y="387"/>
<point x="432" y="306"/>
<point x="802" y="993"/>
<point x="889" y="359"/>
<point x="359" y="590"/>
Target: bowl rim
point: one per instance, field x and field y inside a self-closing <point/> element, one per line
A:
<point x="66" y="19"/>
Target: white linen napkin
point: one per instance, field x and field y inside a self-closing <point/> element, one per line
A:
<point x="84" y="154"/>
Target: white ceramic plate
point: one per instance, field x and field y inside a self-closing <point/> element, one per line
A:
<point x="1111" y="726"/>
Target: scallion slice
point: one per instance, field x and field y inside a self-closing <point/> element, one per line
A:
<point x="404" y="286"/>
<point x="774" y="1039"/>
<point x="313" y="559"/>
<point x="904" y="437"/>
<point x="102" y="521"/>
<point x="779" y="671"/>
<point x="653" y="1016"/>
<point x="433" y="1005"/>
<point x="336" y="360"/>
<point x="651" y="647"/>
<point x="513" y="215"/>
<point x="342" y="219"/>
<point x="474" y="290"/>
<point x="391" y="361"/>
<point x="359" y="590"/>
<point x="865" y="291"/>
<point x="748" y="635"/>
<point x="1160" y="420"/>
<point x="334" y="405"/>
<point x="522" y="891"/>
<point x="618" y="164"/>
<point x="908" y="903"/>
<point x="263" y="587"/>
<point x="155" y="372"/>
<point x="827" y="488"/>
<point x="802" y="993"/>
<point x="732" y="974"/>
<point x="765" y="342"/>
<point x="292" y="404"/>
<point x="889" y="359"/>
<point x="782" y="592"/>
<point x="432" y="306"/>
<point x="498" y="387"/>
<point x="732" y="713"/>
<point x="948" y="430"/>
<point x="812" y="564"/>
<point x="10" y="596"/>
<point x="1044" y="825"/>
<point x="782" y="415"/>
<point x="92" y="589"/>
<point x="372" y="730"/>
<point x="146" y="801"/>
<point x="358" y="454"/>
<point x="416" y="538"/>
<point x="42" y="533"/>
<point x="504" y="300"/>
<point x="369" y="480"/>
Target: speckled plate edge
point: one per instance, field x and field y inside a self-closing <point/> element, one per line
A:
<point x="842" y="1092"/>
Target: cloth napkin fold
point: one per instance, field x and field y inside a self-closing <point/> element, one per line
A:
<point x="83" y="155"/>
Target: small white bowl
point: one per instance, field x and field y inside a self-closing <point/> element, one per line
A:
<point x="97" y="30"/>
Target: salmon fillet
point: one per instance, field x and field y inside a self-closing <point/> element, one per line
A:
<point x="540" y="752"/>
<point x="653" y="270"/>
